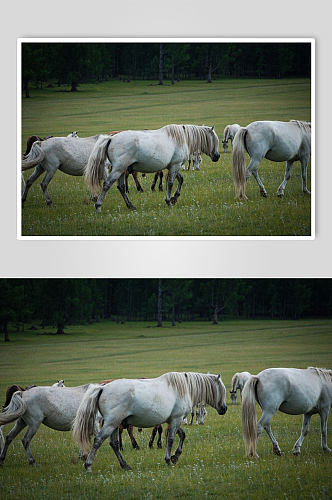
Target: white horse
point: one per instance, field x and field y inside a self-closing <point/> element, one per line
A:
<point x="238" y="381"/>
<point x="196" y="160"/>
<point x="145" y="403"/>
<point x="54" y="407"/>
<point x="289" y="390"/>
<point x="200" y="415"/>
<point x="68" y="154"/>
<point x="229" y="134"/>
<point x="148" y="151"/>
<point x="276" y="141"/>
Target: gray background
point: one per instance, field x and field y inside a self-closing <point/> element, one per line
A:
<point x="168" y="258"/>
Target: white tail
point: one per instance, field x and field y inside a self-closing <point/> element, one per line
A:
<point x="239" y="163"/>
<point x="249" y="419"/>
<point x="94" y="170"/>
<point x="84" y="422"/>
<point x="14" y="410"/>
<point x="35" y="156"/>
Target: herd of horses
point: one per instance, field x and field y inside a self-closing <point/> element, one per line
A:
<point x="108" y="158"/>
<point x="103" y="410"/>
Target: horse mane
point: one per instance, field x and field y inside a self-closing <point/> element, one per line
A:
<point x="196" y="137"/>
<point x="306" y="126"/>
<point x="198" y="386"/>
<point x="324" y="373"/>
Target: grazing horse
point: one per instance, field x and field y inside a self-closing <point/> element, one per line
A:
<point x="229" y="134"/>
<point x="54" y="407"/>
<point x="68" y="154"/>
<point x="130" y="428"/>
<point x="289" y="390"/>
<point x="145" y="403"/>
<point x="238" y="381"/>
<point x="196" y="160"/>
<point x="276" y="141"/>
<point x="200" y="417"/>
<point x="147" y="151"/>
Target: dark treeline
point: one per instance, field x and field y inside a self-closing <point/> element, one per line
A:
<point x="75" y="63"/>
<point x="58" y="303"/>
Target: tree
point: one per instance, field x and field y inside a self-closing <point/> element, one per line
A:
<point x="160" y="303"/>
<point x="11" y="302"/>
<point x="161" y="62"/>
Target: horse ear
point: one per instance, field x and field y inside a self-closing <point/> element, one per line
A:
<point x="212" y="128"/>
<point x="219" y="376"/>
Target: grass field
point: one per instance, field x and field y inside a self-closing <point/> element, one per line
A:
<point x="207" y="206"/>
<point x="212" y="464"/>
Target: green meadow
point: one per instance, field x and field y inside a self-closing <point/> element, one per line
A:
<point x="213" y="463"/>
<point x="207" y="205"/>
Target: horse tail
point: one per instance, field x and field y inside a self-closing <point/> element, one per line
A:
<point x="249" y="419"/>
<point x="239" y="163"/>
<point x="14" y="410"/>
<point x="226" y="133"/>
<point x="234" y="382"/>
<point x="35" y="156"/>
<point x="84" y="422"/>
<point x="94" y="170"/>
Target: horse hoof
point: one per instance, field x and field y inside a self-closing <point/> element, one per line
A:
<point x="50" y="204"/>
<point x="132" y="207"/>
<point x="264" y="194"/>
<point x="159" y="446"/>
<point x="296" y="453"/>
<point x="168" y="461"/>
<point x="173" y="200"/>
<point x="276" y="451"/>
<point x="127" y="467"/>
<point x="280" y="195"/>
<point x="174" y="459"/>
<point x="327" y="450"/>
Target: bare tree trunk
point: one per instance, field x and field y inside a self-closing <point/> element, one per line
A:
<point x="159" y="315"/>
<point x="161" y="55"/>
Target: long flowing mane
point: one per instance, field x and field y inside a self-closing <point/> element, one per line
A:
<point x="324" y="373"/>
<point x="197" y="138"/>
<point x="306" y="126"/>
<point x="199" y="386"/>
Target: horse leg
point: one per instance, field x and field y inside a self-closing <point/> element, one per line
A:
<point x="105" y="431"/>
<point x="161" y="175"/>
<point x="171" y="431"/>
<point x="45" y="182"/>
<point x="324" y="414"/>
<point x="304" y="432"/>
<point x="138" y="186"/>
<point x="264" y="423"/>
<point x="153" y="434"/>
<point x="288" y="171"/>
<point x="252" y="169"/>
<point x="177" y="192"/>
<point x="304" y="165"/>
<point x="20" y="424"/>
<point x="114" y="175"/>
<point x="130" y="431"/>
<point x="126" y="180"/>
<point x="114" y="442"/>
<point x="153" y="185"/>
<point x="172" y="173"/>
<point x="160" y="431"/>
<point x="122" y="188"/>
<point x="178" y="451"/>
<point x="37" y="172"/>
<point x="192" y="415"/>
<point x="32" y="429"/>
<point x="259" y="182"/>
